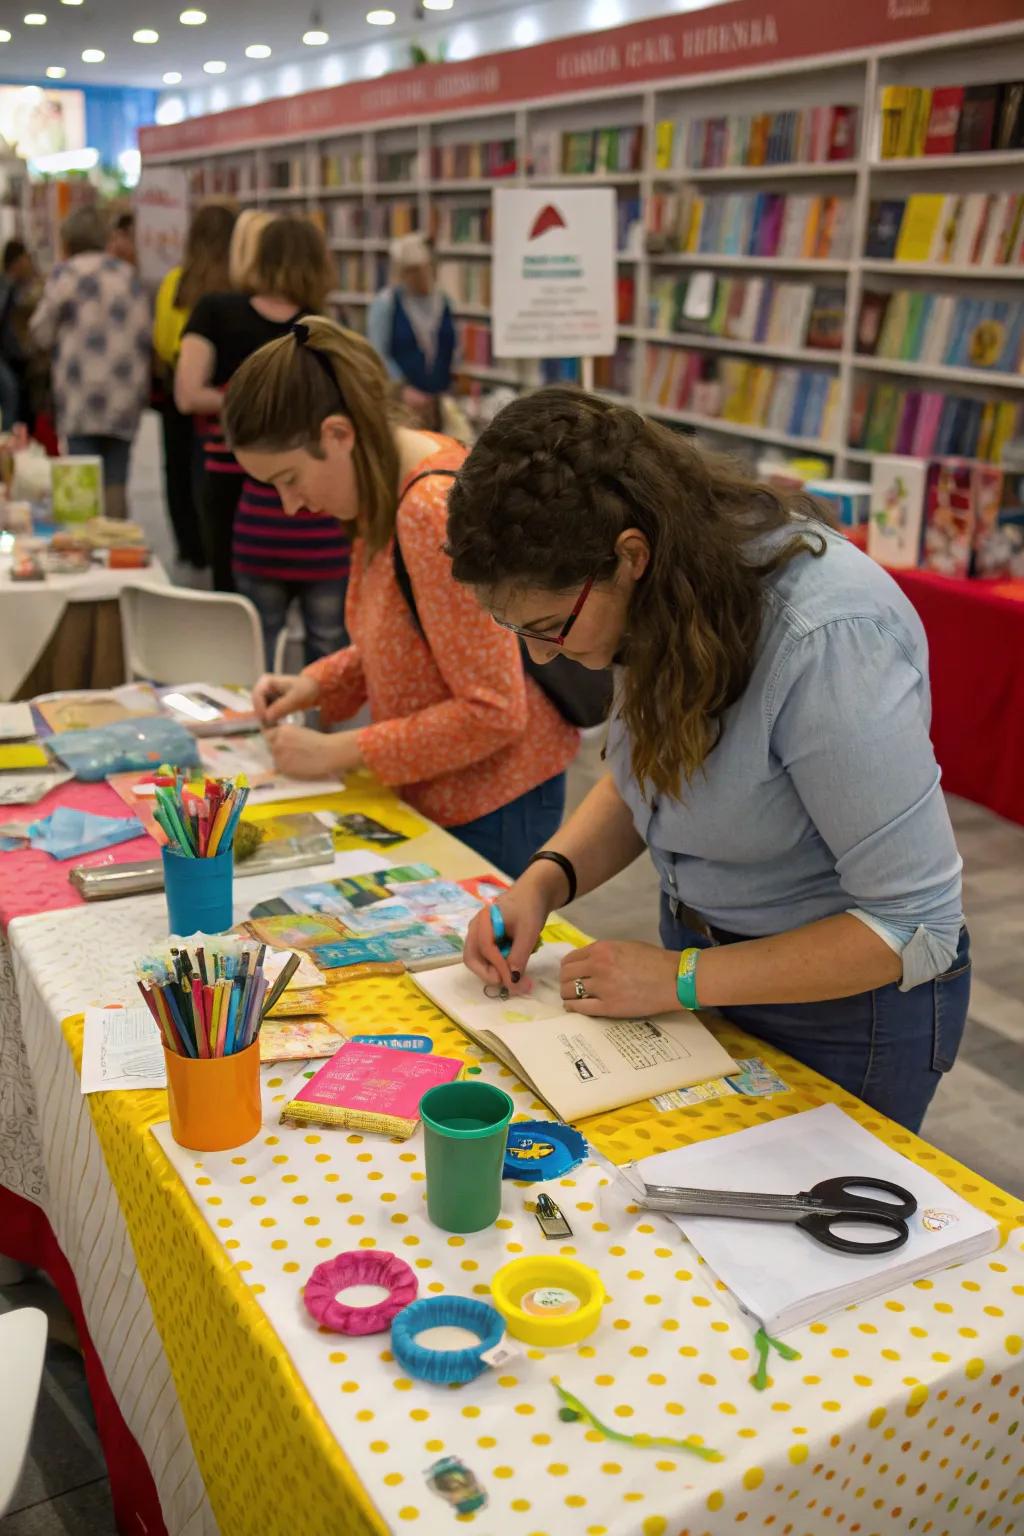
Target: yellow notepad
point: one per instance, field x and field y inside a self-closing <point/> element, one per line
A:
<point x="22" y="755"/>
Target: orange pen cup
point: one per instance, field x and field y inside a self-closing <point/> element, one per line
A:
<point x="215" y="1103"/>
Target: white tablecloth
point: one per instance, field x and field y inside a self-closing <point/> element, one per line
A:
<point x="31" y="610"/>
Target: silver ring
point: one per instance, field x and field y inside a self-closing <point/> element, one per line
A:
<point x="579" y="988"/>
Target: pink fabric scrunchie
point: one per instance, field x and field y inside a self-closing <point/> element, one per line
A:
<point x="363" y="1266"/>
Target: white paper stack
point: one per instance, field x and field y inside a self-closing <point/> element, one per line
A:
<point x="778" y="1272"/>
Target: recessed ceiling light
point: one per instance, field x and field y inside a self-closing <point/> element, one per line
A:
<point x="214" y="67"/>
<point x="55" y="72"/>
<point x="71" y="2"/>
<point x="172" y="77"/>
<point x="35" y="19"/>
<point x="145" y="35"/>
<point x="257" y="51"/>
<point x="438" y="5"/>
<point x="93" y="55"/>
<point x="192" y="18"/>
<point x="315" y="37"/>
<point x="5" y="36"/>
<point x="381" y="18"/>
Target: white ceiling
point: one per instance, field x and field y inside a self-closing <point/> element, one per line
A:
<point x="231" y="25"/>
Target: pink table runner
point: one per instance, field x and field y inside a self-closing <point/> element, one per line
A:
<point x="37" y="882"/>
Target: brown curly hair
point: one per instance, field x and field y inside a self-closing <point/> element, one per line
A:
<point x="541" y="500"/>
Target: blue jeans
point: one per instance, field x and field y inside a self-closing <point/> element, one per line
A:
<point x="508" y="836"/>
<point x="323" y="612"/>
<point x="887" y="1047"/>
<point x="114" y="451"/>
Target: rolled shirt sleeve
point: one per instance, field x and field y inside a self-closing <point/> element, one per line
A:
<point x="849" y="723"/>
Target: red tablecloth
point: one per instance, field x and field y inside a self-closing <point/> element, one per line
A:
<point x="32" y="881"/>
<point x="976" y="648"/>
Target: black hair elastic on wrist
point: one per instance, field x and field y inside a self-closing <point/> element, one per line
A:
<point x="564" y="864"/>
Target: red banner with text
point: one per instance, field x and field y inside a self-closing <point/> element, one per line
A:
<point x="742" y="35"/>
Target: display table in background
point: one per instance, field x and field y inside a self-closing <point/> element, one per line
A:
<point x="64" y="632"/>
<point x="975" y="635"/>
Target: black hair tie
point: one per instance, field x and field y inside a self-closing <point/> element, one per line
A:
<point x="300" y="330"/>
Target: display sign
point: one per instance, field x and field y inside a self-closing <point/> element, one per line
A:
<point x="36" y="123"/>
<point x="553" y="274"/>
<point x="161" y="220"/>
<point x="743" y="34"/>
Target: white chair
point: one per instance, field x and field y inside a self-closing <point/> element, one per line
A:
<point x="22" y="1349"/>
<point x="175" y="635"/>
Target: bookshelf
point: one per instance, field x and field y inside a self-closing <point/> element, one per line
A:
<point x="816" y="132"/>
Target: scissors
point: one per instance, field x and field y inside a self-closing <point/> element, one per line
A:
<point x="817" y="1210"/>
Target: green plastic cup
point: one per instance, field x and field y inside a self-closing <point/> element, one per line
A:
<point x="465" y="1127"/>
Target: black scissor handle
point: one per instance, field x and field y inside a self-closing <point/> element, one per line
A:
<point x="842" y="1192"/>
<point x="819" y="1226"/>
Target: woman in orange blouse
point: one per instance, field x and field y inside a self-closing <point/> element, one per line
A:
<point x="456" y="725"/>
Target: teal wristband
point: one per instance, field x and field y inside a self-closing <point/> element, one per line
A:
<point x="686" y="979"/>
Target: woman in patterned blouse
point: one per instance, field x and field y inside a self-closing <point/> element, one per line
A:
<point x="456" y="725"/>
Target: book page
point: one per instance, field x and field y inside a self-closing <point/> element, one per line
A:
<point x="579" y="1066"/>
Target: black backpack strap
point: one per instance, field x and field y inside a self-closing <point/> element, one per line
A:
<point x="398" y="559"/>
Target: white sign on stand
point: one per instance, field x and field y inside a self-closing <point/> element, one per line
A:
<point x="553" y="272"/>
<point x="161" y="220"/>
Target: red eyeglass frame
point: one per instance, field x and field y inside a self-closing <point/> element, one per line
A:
<point x="555" y="640"/>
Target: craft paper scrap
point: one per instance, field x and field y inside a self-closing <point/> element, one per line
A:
<point x="121" y="1049"/>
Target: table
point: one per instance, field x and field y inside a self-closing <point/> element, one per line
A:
<point x="63" y="632"/>
<point x="975" y="635"/>
<point x="58" y="1210"/>
<point x="922" y="1388"/>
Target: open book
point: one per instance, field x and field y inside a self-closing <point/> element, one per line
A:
<point x="778" y="1272"/>
<point x="579" y="1066"/>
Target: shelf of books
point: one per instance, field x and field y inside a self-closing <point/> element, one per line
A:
<point x="825" y="255"/>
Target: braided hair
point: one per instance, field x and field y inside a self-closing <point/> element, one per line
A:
<point x="542" y="499"/>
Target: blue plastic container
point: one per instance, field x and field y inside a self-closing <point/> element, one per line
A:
<point x="199" y="892"/>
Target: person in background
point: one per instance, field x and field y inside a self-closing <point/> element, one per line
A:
<point x="277" y="558"/>
<point x="17" y="274"/>
<point x="204" y="270"/>
<point x="457" y="726"/>
<point x="264" y="555"/>
<point x="410" y="324"/>
<point x="206" y="360"/>
<point x="769" y="745"/>
<point x="121" y="241"/>
<point x="95" y="315"/>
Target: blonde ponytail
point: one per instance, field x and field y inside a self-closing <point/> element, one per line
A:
<point x="281" y="395"/>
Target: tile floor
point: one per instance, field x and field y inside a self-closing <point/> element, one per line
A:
<point x="977" y="1114"/>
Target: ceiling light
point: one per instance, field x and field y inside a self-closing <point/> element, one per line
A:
<point x="258" y="51"/>
<point x="438" y="5"/>
<point x="315" y="37"/>
<point x="5" y="36"/>
<point x="145" y="35"/>
<point x="214" y="67"/>
<point x="71" y="2"/>
<point x="381" y="18"/>
<point x="55" y="72"/>
<point x="93" y="55"/>
<point x="172" y="77"/>
<point x="35" y="19"/>
<point x="192" y="18"/>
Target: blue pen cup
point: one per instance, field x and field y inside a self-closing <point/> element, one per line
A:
<point x="199" y="892"/>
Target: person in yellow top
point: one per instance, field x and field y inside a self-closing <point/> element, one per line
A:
<point x="204" y="270"/>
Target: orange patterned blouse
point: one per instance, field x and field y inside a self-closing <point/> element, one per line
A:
<point x="457" y="725"/>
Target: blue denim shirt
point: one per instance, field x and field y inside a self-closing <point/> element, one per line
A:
<point x="822" y="795"/>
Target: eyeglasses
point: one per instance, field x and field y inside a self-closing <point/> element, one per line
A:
<point x="562" y="635"/>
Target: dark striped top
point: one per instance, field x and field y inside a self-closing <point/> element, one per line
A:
<point x="271" y="546"/>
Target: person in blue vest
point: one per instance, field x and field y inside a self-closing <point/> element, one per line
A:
<point x="410" y="324"/>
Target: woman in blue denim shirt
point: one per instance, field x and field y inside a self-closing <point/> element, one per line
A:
<point x="769" y="745"/>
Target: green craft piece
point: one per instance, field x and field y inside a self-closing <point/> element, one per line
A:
<point x="644" y="1442"/>
<point x="764" y="1343"/>
<point x="568" y="1415"/>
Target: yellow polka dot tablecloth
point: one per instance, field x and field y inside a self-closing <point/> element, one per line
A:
<point x="902" y="1414"/>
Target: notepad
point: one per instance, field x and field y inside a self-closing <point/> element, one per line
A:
<point x="370" y="1088"/>
<point x="776" y="1271"/>
<point x="578" y="1065"/>
<point x="27" y="754"/>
